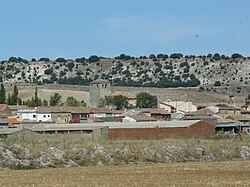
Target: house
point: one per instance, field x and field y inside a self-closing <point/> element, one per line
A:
<point x="15" y="108"/>
<point x="173" y="106"/>
<point x="27" y="115"/>
<point x="230" y="128"/>
<point x="203" y="114"/>
<point x="44" y="115"/>
<point x="3" y="123"/>
<point x="64" y="114"/>
<point x="34" y="115"/>
<point x="240" y="118"/>
<point x="80" y="113"/>
<point x="5" y="109"/>
<point x="244" y="111"/>
<point x="167" y="107"/>
<point x="158" y="113"/>
<point x="100" y="112"/>
<point x="12" y="121"/>
<point x="230" y="110"/>
<point x="138" y="118"/>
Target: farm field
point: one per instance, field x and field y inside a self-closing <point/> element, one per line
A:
<point x="235" y="173"/>
<point x="82" y="93"/>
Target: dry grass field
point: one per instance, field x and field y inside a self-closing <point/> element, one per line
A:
<point x="82" y="93"/>
<point x="179" y="174"/>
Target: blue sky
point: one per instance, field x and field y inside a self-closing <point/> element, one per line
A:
<point x="76" y="28"/>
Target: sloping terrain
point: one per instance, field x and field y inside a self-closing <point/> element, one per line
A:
<point x="160" y="71"/>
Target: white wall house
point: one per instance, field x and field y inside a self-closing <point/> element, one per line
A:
<point x="35" y="115"/>
<point x="173" y="106"/>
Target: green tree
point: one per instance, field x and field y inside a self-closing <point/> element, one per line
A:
<point x="55" y="99"/>
<point x="217" y="83"/>
<point x="71" y="101"/>
<point x="13" y="98"/>
<point x="2" y="94"/>
<point x="94" y="58"/>
<point x="106" y="101"/>
<point x="45" y="102"/>
<point x="117" y="102"/>
<point x="120" y="102"/>
<point x="146" y="100"/>
<point x="61" y="60"/>
<point x="35" y="101"/>
<point x="216" y="56"/>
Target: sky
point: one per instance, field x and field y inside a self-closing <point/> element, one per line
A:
<point x="80" y="28"/>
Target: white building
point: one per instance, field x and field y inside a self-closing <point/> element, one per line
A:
<point x="34" y="115"/>
<point x="173" y="106"/>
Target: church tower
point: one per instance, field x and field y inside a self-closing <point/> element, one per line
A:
<point x="99" y="88"/>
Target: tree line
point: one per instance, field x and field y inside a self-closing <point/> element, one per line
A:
<point x="55" y="100"/>
<point x="119" y="102"/>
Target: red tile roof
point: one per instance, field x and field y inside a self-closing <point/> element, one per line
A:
<point x="12" y="121"/>
<point x="171" y="106"/>
<point x="226" y="107"/>
<point x="3" y="105"/>
<point x="99" y="110"/>
<point x="157" y="111"/>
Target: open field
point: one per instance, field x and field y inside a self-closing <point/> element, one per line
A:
<point x="180" y="174"/>
<point x="82" y="93"/>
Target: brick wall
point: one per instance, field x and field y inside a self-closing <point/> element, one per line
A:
<point x="201" y="128"/>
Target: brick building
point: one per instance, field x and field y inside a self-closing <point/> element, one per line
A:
<point x="163" y="129"/>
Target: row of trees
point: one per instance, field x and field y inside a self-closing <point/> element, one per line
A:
<point x="119" y="102"/>
<point x="55" y="100"/>
<point x="12" y="98"/>
<point x="95" y="58"/>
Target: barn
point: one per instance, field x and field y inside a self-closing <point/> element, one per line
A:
<point x="163" y="129"/>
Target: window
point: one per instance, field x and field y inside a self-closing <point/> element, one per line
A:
<point x="44" y="116"/>
<point x="34" y="116"/>
<point x="48" y="116"/>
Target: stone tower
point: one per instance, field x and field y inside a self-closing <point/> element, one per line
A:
<point x="231" y="100"/>
<point x="99" y="88"/>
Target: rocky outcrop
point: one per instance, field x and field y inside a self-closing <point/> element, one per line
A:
<point x="53" y="157"/>
<point x="20" y="157"/>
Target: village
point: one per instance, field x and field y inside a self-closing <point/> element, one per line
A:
<point x="168" y="119"/>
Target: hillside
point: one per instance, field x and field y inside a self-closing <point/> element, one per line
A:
<point x="175" y="70"/>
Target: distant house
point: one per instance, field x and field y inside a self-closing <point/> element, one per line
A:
<point x="12" y="120"/>
<point x="64" y="114"/>
<point x="3" y="123"/>
<point x="240" y="118"/>
<point x="224" y="109"/>
<point x="27" y="115"/>
<point x="138" y="118"/>
<point x="203" y="114"/>
<point x="34" y="115"/>
<point x="173" y="106"/>
<point x="167" y="107"/>
<point x="100" y="112"/>
<point x="158" y="113"/>
<point x="5" y="109"/>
